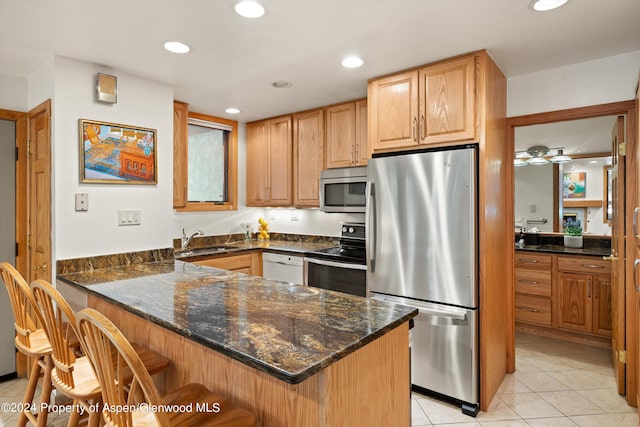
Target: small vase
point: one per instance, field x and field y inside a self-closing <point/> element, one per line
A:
<point x="572" y="241"/>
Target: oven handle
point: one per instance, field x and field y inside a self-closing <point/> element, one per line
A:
<point x="335" y="264"/>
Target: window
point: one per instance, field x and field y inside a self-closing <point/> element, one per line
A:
<point x="205" y="161"/>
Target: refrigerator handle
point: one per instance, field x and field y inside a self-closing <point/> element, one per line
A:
<point x="372" y="230"/>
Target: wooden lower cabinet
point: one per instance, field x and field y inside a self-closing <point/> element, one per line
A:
<point x="250" y="263"/>
<point x="571" y="293"/>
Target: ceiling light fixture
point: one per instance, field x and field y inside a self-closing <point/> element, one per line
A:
<point x="249" y="9"/>
<point x="232" y="110"/>
<point x="352" y="62"/>
<point x="177" y="47"/>
<point x="537" y="155"/>
<point x="544" y="5"/>
<point x="281" y="84"/>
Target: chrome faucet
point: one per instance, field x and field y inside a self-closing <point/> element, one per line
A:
<point x="186" y="240"/>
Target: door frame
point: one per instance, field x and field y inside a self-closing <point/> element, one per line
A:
<point x="626" y="108"/>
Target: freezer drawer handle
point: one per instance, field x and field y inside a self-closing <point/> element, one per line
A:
<point x="438" y="313"/>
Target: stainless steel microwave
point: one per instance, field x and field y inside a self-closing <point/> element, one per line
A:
<point x="343" y="189"/>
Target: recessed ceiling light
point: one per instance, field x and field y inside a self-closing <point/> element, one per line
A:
<point x="232" y="110"/>
<point x="281" y="84"/>
<point x="249" y="9"/>
<point x="593" y="161"/>
<point x="176" y="47"/>
<point x="352" y="62"/>
<point x="544" y="5"/>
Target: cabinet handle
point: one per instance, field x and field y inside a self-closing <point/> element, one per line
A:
<point x="353" y="150"/>
<point x="42" y="267"/>
<point x="595" y="291"/>
<point x="635" y="223"/>
<point x="589" y="288"/>
<point x="530" y="282"/>
<point x="414" y="130"/>
<point x="531" y="310"/>
<point x="591" y="266"/>
<point x="635" y="274"/>
<point x="423" y="131"/>
<point x="529" y="261"/>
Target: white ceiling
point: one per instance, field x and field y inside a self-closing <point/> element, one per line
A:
<point x="234" y="60"/>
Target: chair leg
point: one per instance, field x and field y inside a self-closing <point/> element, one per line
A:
<point x="27" y="400"/>
<point x="45" y="392"/>
<point x="75" y="415"/>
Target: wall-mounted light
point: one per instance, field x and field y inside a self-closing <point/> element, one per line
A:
<point x="106" y="88"/>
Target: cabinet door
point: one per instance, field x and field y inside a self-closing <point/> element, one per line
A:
<point x="257" y="163"/>
<point x="180" y="160"/>
<point x="602" y="319"/>
<point x="308" y="157"/>
<point x="448" y="101"/>
<point x="341" y="135"/>
<point x="575" y="301"/>
<point x="362" y="145"/>
<point x="393" y="111"/>
<point x="279" y="190"/>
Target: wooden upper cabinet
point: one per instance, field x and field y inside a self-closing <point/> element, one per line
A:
<point x="448" y="101"/>
<point x="346" y="131"/>
<point x="269" y="162"/>
<point x="393" y="111"/>
<point x="180" y="160"/>
<point x="308" y="157"/>
<point x="363" y="153"/>
<point x="432" y="105"/>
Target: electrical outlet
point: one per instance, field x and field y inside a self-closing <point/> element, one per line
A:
<point x="129" y="217"/>
<point x="294" y="215"/>
<point x="533" y="208"/>
<point x="82" y="202"/>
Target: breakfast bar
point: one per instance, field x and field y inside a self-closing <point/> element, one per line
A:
<point x="294" y="355"/>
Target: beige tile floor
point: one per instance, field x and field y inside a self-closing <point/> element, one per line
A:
<point x="556" y="383"/>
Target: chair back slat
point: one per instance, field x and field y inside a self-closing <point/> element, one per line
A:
<point x="114" y="361"/>
<point x="59" y="324"/>
<point x="26" y="318"/>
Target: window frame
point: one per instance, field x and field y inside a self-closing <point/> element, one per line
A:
<point x="181" y="201"/>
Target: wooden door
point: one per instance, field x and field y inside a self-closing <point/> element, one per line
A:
<point x="308" y="157"/>
<point x="602" y="318"/>
<point x="363" y="153"/>
<point x="575" y="301"/>
<point x="634" y="202"/>
<point x="393" y="111"/>
<point x="280" y="188"/>
<point x="39" y="198"/>
<point x="341" y="135"/>
<point x="618" y="311"/>
<point x="448" y="101"/>
<point x="257" y="163"/>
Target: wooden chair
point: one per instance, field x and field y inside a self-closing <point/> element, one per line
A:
<point x="101" y="339"/>
<point x="72" y="375"/>
<point x="31" y="340"/>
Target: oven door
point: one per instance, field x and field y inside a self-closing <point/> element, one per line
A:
<point x="336" y="276"/>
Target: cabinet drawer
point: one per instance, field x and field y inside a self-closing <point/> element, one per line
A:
<point x="533" y="309"/>
<point x="524" y="259"/>
<point x="583" y="264"/>
<point x="533" y="282"/>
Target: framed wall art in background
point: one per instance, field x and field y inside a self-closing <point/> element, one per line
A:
<point x="574" y="185"/>
<point x="117" y="154"/>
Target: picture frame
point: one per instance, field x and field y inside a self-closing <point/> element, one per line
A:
<point x="112" y="153"/>
<point x="574" y="185"/>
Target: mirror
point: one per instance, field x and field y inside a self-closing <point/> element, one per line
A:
<point x="544" y="194"/>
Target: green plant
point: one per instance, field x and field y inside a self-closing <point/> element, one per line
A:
<point x="573" y="228"/>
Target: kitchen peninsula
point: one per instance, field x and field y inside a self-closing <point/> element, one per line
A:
<point x="293" y="355"/>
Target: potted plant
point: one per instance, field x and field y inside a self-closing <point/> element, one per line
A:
<point x="573" y="234"/>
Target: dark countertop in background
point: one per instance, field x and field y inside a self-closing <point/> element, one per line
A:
<point x="560" y="249"/>
<point x="286" y="330"/>
<point x="290" y="247"/>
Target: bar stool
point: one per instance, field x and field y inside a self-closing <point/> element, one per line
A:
<point x="193" y="404"/>
<point x="31" y="340"/>
<point x="73" y="375"/>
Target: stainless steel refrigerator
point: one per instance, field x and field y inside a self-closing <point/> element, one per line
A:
<point x="421" y="251"/>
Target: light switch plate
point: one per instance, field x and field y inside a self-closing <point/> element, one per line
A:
<point x="129" y="217"/>
<point x="82" y="202"/>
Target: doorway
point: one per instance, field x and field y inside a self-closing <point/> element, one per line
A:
<point x="626" y="324"/>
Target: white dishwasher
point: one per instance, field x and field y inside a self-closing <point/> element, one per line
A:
<point x="287" y="268"/>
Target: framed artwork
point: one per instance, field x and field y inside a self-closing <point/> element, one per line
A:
<point x="111" y="153"/>
<point x="574" y="185"/>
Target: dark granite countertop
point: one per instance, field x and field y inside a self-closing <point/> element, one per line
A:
<point x="560" y="249"/>
<point x="289" y="247"/>
<point x="289" y="331"/>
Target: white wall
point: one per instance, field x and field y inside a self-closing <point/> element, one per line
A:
<point x="13" y="93"/>
<point x="600" y="81"/>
